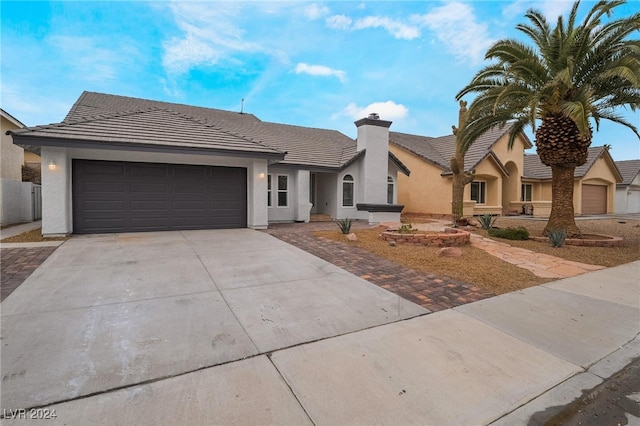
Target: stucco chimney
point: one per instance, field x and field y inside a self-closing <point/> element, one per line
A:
<point x="373" y="137"/>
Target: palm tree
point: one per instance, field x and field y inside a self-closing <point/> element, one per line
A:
<point x="567" y="76"/>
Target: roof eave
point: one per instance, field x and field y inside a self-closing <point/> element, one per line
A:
<point x="41" y="141"/>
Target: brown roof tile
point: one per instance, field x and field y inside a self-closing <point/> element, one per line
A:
<point x="629" y="169"/>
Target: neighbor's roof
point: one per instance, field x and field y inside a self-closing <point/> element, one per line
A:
<point x="535" y="169"/>
<point x="125" y="121"/>
<point x="440" y="150"/>
<point x="629" y="169"/>
<point x="11" y="118"/>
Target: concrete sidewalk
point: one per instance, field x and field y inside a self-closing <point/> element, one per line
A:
<point x="499" y="360"/>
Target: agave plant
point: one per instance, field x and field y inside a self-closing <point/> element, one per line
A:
<point x="345" y="225"/>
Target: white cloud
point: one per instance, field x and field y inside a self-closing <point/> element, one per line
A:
<point x="456" y="26"/>
<point x="388" y="110"/>
<point x="551" y="9"/>
<point x="208" y="36"/>
<point x="397" y="29"/>
<point x="313" y="11"/>
<point x="339" y="22"/>
<point x="320" y="70"/>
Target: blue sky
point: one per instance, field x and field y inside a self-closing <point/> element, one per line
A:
<point x="316" y="64"/>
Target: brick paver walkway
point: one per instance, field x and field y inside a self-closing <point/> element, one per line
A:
<point x="430" y="291"/>
<point x="17" y="264"/>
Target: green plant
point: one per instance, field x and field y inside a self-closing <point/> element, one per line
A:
<point x="486" y="221"/>
<point x="519" y="233"/>
<point x="345" y="225"/>
<point x="557" y="237"/>
<point x="407" y="228"/>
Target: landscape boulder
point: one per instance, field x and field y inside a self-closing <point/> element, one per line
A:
<point x="449" y="252"/>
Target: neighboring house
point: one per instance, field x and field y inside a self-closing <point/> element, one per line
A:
<point x="119" y="164"/>
<point x="593" y="190"/>
<point x="628" y="191"/>
<point x="506" y="181"/>
<point x="16" y="200"/>
<point x="428" y="189"/>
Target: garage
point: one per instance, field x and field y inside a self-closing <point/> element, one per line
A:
<point x="594" y="199"/>
<point x="113" y="196"/>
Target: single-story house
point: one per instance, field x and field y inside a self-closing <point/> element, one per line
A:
<point x="16" y="197"/>
<point x="428" y="188"/>
<point x="594" y="184"/>
<point x="121" y="164"/>
<point x="506" y="181"/>
<point x="628" y="191"/>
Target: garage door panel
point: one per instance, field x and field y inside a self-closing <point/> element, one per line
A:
<point x="122" y="196"/>
<point x="594" y="199"/>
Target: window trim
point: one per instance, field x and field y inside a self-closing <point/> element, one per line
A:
<point x="391" y="183"/>
<point x="483" y="196"/>
<point x="269" y="190"/>
<point x="351" y="182"/>
<point x="523" y="193"/>
<point x="279" y="191"/>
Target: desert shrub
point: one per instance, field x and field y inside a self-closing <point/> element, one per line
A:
<point x="519" y="233"/>
<point x="557" y="237"/>
<point x="345" y="225"/>
<point x="486" y="221"/>
<point x="407" y="228"/>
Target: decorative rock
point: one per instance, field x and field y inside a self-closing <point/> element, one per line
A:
<point x="352" y="237"/>
<point x="472" y="221"/>
<point x="392" y="243"/>
<point x="449" y="252"/>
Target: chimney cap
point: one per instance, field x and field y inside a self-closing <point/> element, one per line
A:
<point x="373" y="122"/>
<point x="374" y="116"/>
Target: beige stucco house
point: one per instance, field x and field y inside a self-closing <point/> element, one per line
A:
<point x="507" y="181"/>
<point x="428" y="188"/>
<point x="16" y="196"/>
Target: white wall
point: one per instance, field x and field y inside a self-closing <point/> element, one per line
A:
<point x="298" y="208"/>
<point x="57" y="211"/>
<point x="17" y="205"/>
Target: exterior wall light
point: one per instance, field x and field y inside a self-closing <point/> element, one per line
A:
<point x="52" y="165"/>
<point x="261" y="175"/>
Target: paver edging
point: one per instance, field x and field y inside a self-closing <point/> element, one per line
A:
<point x="449" y="238"/>
<point x="606" y="241"/>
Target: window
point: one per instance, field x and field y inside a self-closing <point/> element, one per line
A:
<point x="268" y="190"/>
<point x="390" y="190"/>
<point x="347" y="191"/>
<point x="282" y="190"/>
<point x="479" y="191"/>
<point x="527" y="192"/>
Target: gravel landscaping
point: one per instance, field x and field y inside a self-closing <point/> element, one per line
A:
<point x="492" y="274"/>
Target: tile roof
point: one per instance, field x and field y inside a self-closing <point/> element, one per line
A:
<point x="535" y="169"/>
<point x="150" y="127"/>
<point x="310" y="147"/>
<point x="440" y="150"/>
<point x="629" y="169"/>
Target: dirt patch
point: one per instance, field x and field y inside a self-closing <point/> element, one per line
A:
<point x="474" y="266"/>
<point x="34" y="236"/>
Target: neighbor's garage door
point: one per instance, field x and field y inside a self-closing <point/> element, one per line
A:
<point x="594" y="199"/>
<point x="111" y="196"/>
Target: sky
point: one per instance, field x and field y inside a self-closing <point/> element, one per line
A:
<point x="314" y="64"/>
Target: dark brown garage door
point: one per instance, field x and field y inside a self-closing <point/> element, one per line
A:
<point x="594" y="199"/>
<point x="110" y="196"/>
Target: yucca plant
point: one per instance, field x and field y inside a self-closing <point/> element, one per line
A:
<point x="486" y="221"/>
<point x="557" y="237"/>
<point x="345" y="225"/>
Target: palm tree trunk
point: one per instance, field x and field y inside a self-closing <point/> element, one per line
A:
<point x="562" y="212"/>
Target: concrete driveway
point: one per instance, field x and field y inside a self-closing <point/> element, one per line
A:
<point x="109" y="311"/>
